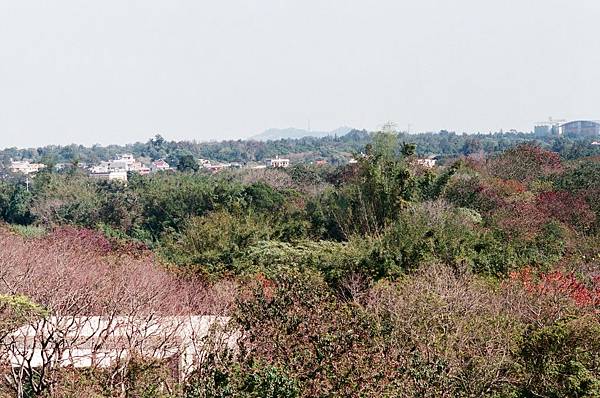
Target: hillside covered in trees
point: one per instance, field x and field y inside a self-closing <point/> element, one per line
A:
<point x="477" y="277"/>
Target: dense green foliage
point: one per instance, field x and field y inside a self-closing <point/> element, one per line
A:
<point x="477" y="277"/>
<point x="522" y="207"/>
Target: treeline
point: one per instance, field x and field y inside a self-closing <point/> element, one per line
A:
<point x="336" y="150"/>
<point x="381" y="278"/>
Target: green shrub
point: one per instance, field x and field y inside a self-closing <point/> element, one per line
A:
<point x="211" y="243"/>
<point x="28" y="231"/>
<point x="425" y="233"/>
<point x="562" y="359"/>
<point x="334" y="260"/>
<point x="66" y="199"/>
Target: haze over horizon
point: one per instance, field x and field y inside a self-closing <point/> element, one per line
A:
<point x="119" y="72"/>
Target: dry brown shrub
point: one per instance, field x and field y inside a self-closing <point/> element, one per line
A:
<point x="73" y="274"/>
<point x="455" y="323"/>
<point x="77" y="277"/>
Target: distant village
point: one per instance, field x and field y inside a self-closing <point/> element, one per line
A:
<point x="118" y="168"/>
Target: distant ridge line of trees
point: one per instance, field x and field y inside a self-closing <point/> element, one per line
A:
<point x="334" y="149"/>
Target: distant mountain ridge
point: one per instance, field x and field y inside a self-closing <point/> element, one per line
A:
<point x="291" y="132"/>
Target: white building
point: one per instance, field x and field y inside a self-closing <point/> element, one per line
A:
<point x="117" y="169"/>
<point x="127" y="158"/>
<point x="427" y="162"/>
<point x="25" y="167"/>
<point x="549" y="127"/>
<point x="121" y="163"/>
<point x="126" y="162"/>
<point x="99" y="169"/>
<point x="116" y="175"/>
<point x="205" y="163"/>
<point x="277" y="162"/>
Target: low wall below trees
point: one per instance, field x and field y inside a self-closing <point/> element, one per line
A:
<point x="104" y="341"/>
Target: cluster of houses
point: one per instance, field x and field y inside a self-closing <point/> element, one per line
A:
<point x="275" y="163"/>
<point x="118" y="168"/>
<point x="115" y="169"/>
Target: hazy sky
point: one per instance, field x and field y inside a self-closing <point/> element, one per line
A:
<point x="116" y="71"/>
